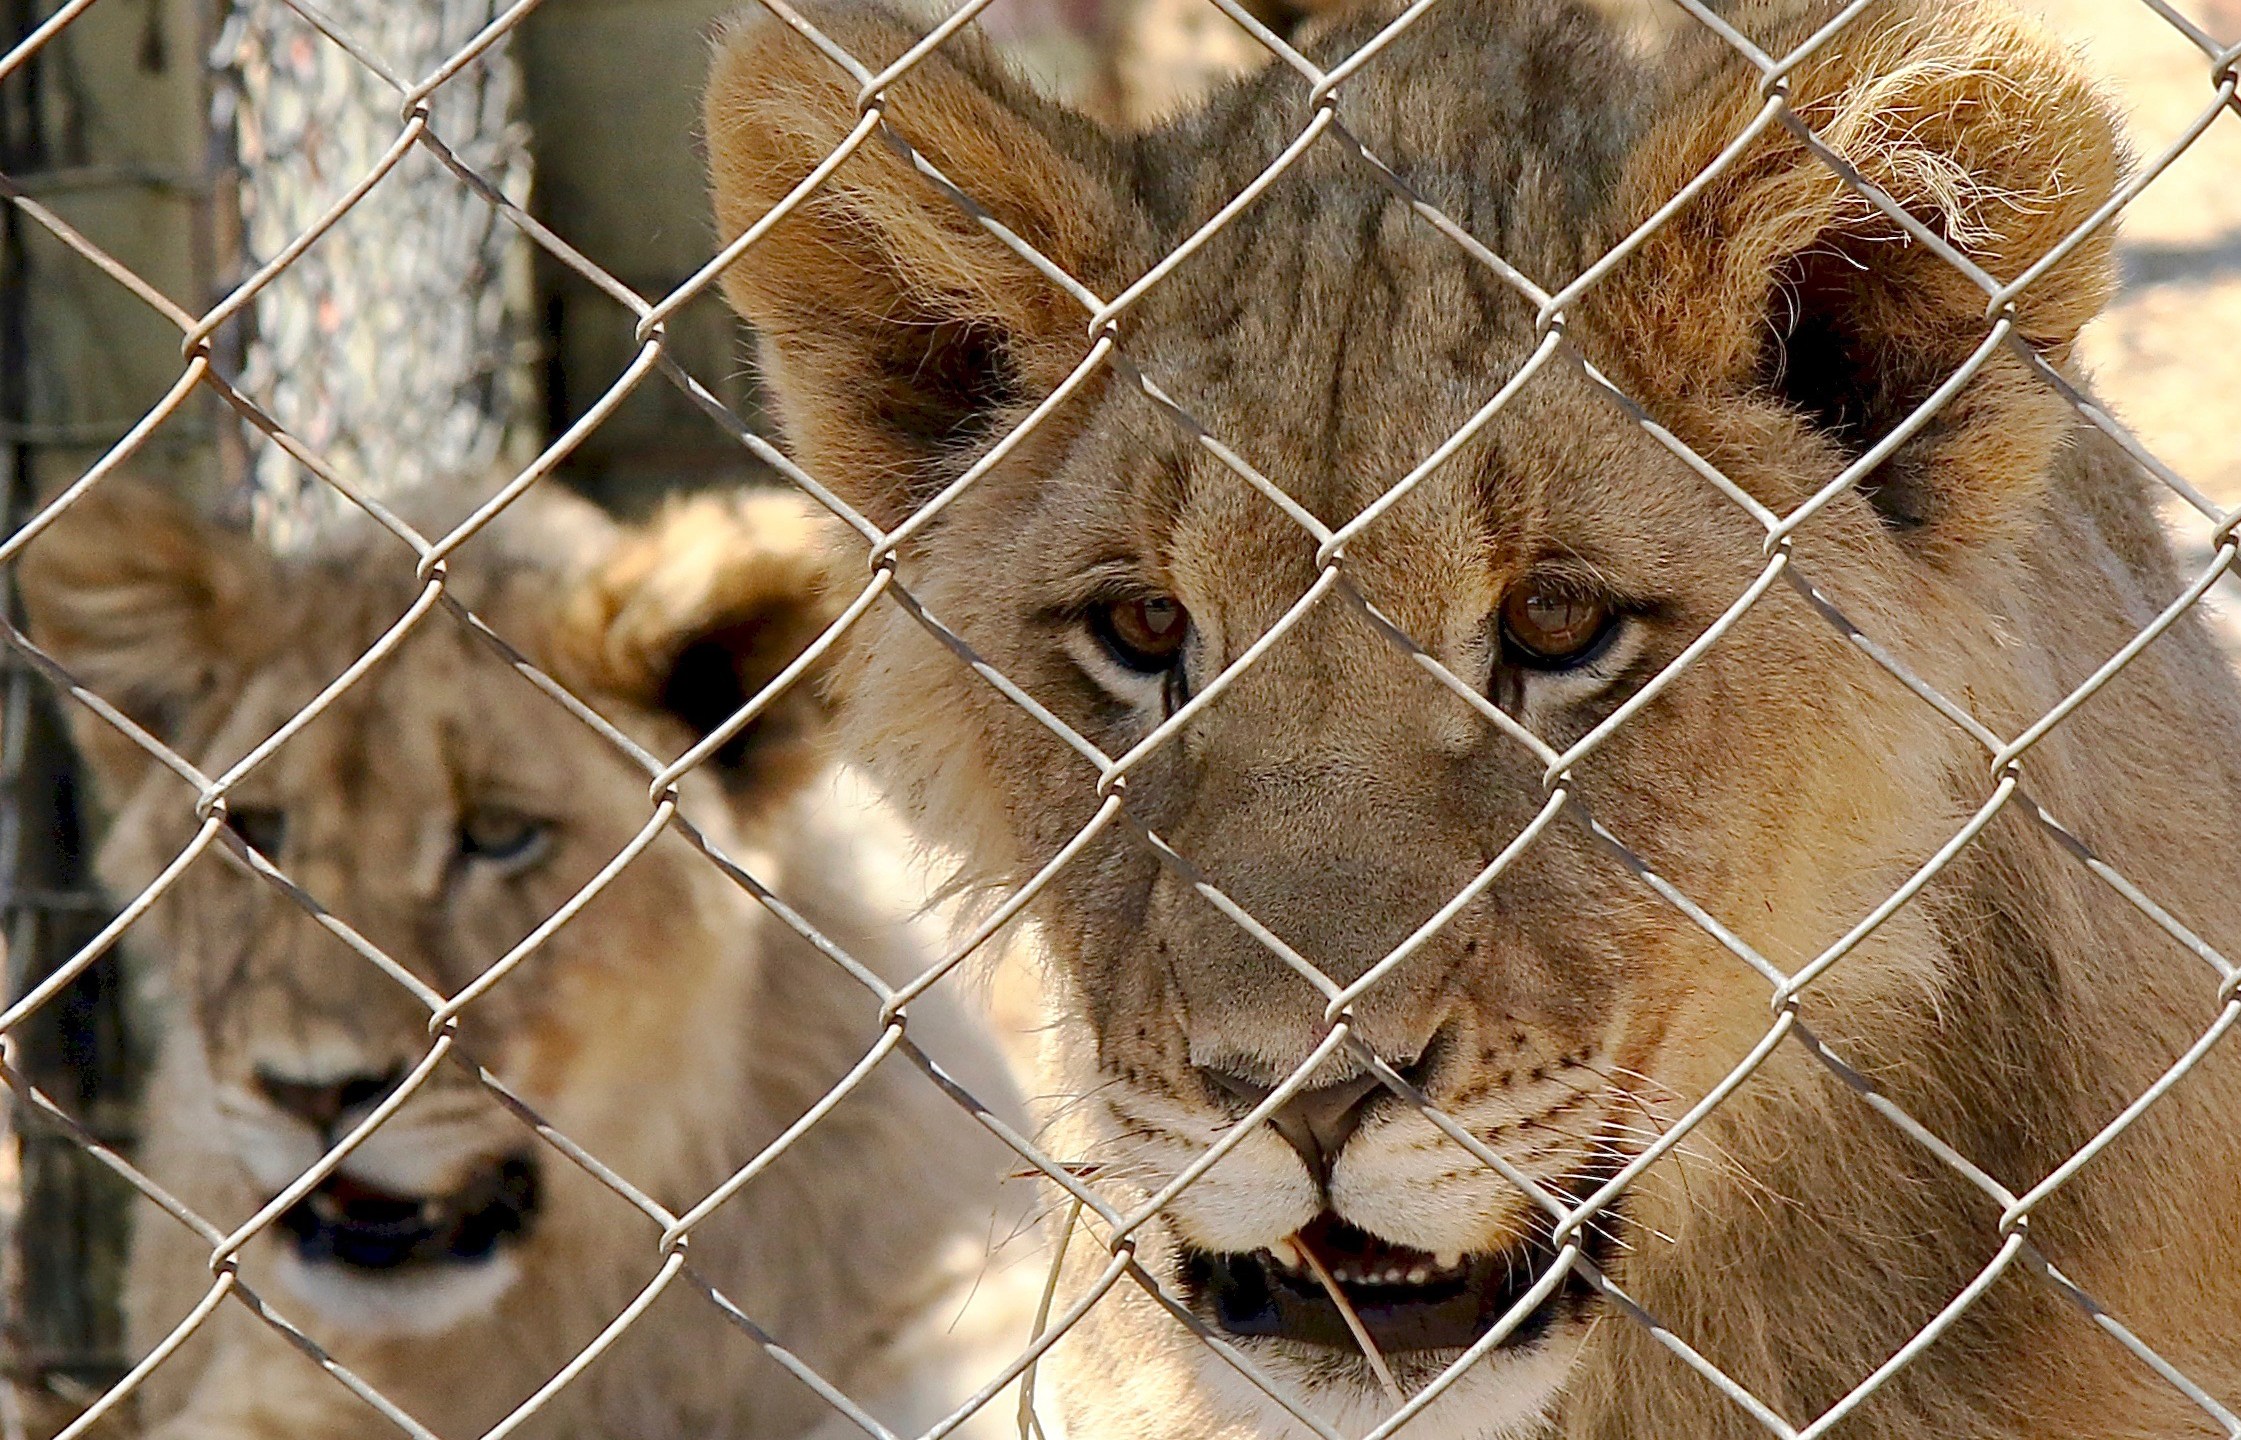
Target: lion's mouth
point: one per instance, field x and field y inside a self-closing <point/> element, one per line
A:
<point x="348" y="1222"/>
<point x="1409" y="1300"/>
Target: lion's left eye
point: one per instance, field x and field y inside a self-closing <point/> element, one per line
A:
<point x="498" y="836"/>
<point x="1546" y="627"/>
<point x="1145" y="634"/>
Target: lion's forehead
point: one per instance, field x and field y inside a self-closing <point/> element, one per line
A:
<point x="438" y="713"/>
<point x="1537" y="109"/>
<point x="1382" y="339"/>
<point x="1386" y="337"/>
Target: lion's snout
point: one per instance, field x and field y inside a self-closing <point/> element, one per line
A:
<point x="420" y="1225"/>
<point x="1428" y="1259"/>
<point x="1255" y="1005"/>
<point x="322" y="1102"/>
<point x="1316" y="1122"/>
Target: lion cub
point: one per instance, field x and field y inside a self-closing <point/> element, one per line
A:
<point x="1557" y="563"/>
<point x="443" y="808"/>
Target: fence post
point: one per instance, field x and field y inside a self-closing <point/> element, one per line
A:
<point x="422" y="267"/>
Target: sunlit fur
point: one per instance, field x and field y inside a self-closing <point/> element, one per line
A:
<point x="672" y="1028"/>
<point x="1786" y="783"/>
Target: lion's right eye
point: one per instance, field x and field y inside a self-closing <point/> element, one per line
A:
<point x="507" y="838"/>
<point x="1145" y="634"/>
<point x="263" y="828"/>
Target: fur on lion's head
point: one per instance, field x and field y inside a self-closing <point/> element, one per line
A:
<point x="1113" y="565"/>
<point x="442" y="808"/>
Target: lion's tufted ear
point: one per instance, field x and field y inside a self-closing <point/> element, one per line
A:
<point x="693" y="614"/>
<point x="894" y="331"/>
<point x="150" y="607"/>
<point x="1781" y="279"/>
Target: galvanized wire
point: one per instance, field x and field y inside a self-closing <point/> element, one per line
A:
<point x="1095" y="1217"/>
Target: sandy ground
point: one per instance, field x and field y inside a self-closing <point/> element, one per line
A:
<point x="2166" y="356"/>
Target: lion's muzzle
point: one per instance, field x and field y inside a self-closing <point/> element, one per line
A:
<point x="1409" y="1300"/>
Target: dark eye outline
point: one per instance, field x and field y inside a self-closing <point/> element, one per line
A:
<point x="1518" y="653"/>
<point x="530" y="842"/>
<point x="263" y="828"/>
<point x="1133" y="658"/>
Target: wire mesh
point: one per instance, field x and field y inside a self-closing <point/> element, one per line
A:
<point x="1108" y="1217"/>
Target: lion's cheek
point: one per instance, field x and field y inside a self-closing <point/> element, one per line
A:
<point x="1404" y="1181"/>
<point x="1253" y="1197"/>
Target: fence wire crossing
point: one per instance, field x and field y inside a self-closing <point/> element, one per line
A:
<point x="1094" y="1216"/>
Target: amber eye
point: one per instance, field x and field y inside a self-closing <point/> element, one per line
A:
<point x="264" y="828"/>
<point x="1146" y="634"/>
<point x="499" y="836"/>
<point x="1548" y="628"/>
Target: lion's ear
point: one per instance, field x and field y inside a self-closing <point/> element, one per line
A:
<point x="151" y="608"/>
<point x="696" y="612"/>
<point x="1781" y="278"/>
<point x="894" y="331"/>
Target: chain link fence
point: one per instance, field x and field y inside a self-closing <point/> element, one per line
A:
<point x="1104" y="1212"/>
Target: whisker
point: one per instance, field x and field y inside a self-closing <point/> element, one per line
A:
<point x="1083" y="1170"/>
<point x="1064" y="1105"/>
<point x="1370" y="1352"/>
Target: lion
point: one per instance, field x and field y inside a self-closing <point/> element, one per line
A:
<point x="1346" y="787"/>
<point x="443" y="808"/>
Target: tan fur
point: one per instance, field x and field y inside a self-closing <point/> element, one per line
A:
<point x="673" y="1028"/>
<point x="1785" y="783"/>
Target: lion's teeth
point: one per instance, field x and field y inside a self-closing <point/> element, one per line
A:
<point x="431" y="1212"/>
<point x="1343" y="1275"/>
<point x="1448" y="1260"/>
<point x="1287" y="1255"/>
<point x="1419" y="1275"/>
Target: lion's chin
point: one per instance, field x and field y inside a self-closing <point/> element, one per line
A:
<point x="404" y="1303"/>
<point x="1509" y="1394"/>
<point x="379" y="1262"/>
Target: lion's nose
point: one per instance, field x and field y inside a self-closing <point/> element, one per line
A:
<point x="322" y="1103"/>
<point x="1317" y="1123"/>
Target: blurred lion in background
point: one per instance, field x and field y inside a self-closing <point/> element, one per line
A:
<point x="444" y="808"/>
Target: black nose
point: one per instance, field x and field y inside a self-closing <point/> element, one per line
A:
<point x="1317" y="1123"/>
<point x="322" y="1103"/>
